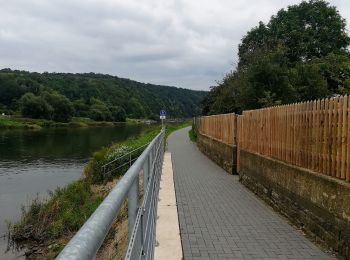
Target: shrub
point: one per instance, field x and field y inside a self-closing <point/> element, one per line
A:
<point x="35" y="107"/>
<point x="118" y="113"/>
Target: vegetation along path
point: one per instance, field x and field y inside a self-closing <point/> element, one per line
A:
<point x="220" y="219"/>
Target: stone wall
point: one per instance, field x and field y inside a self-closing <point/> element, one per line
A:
<point x="222" y="154"/>
<point x="318" y="204"/>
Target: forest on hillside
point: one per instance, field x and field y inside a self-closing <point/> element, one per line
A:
<point x="60" y="96"/>
<point x="300" y="54"/>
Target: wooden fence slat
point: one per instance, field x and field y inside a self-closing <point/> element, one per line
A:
<point x="312" y="134"/>
<point x="343" y="138"/>
<point x="325" y="136"/>
<point x="348" y="143"/>
<point x="331" y="136"/>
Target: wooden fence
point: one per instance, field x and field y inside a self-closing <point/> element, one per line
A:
<point x="220" y="127"/>
<point x="313" y="135"/>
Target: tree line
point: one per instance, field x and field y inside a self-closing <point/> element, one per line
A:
<point x="60" y="96"/>
<point x="300" y="54"/>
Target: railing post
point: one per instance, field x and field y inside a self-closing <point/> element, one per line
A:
<point x="133" y="205"/>
<point x="146" y="172"/>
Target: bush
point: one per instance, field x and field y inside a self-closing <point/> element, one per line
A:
<point x="118" y="113"/>
<point x="192" y="135"/>
<point x="35" y="107"/>
<point x="51" y="106"/>
<point x="99" y="111"/>
<point x="63" y="109"/>
<point x="93" y="171"/>
<point x="81" y="108"/>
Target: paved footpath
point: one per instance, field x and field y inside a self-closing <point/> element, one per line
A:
<point x="221" y="219"/>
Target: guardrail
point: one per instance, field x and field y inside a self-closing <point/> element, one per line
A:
<point x="121" y="161"/>
<point x="141" y="218"/>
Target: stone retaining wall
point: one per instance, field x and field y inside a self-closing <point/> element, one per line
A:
<point x="222" y="154"/>
<point x="318" y="204"/>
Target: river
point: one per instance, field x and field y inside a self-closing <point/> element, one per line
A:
<point x="33" y="163"/>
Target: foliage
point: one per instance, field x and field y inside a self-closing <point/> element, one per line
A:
<point x="63" y="109"/>
<point x="98" y="96"/>
<point x="51" y="106"/>
<point x="118" y="113"/>
<point x="301" y="54"/>
<point x="192" y="135"/>
<point x="94" y="172"/>
<point x="307" y="30"/>
<point x="35" y="106"/>
<point x="8" y="123"/>
<point x="99" y="111"/>
<point x="81" y="108"/>
<point x="64" y="212"/>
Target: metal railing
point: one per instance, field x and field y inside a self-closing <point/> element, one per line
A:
<point x="141" y="218"/>
<point x="121" y="161"/>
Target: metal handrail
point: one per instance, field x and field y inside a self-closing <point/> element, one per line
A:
<point x="87" y="241"/>
<point x="105" y="166"/>
<point x="124" y="155"/>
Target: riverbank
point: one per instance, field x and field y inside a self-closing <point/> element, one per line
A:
<point x="46" y="226"/>
<point x="13" y="122"/>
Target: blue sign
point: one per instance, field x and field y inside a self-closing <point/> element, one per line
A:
<point x="162" y="113"/>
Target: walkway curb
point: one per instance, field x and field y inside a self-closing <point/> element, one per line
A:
<point x="167" y="228"/>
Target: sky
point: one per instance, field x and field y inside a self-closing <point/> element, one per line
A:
<point x="184" y="43"/>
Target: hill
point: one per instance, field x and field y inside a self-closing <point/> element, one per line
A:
<point x="92" y="95"/>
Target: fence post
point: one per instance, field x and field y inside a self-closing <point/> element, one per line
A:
<point x="133" y="205"/>
<point x="146" y="172"/>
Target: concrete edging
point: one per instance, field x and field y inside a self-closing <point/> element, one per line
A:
<point x="167" y="228"/>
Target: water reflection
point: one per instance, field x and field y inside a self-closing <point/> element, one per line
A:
<point x="35" y="162"/>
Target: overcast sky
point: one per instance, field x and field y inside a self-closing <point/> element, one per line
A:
<point x="183" y="43"/>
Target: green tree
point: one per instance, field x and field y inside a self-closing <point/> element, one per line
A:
<point x="301" y="54"/>
<point x="140" y="100"/>
<point x="81" y="108"/>
<point x="309" y="29"/>
<point x="118" y="113"/>
<point x="63" y="109"/>
<point x="99" y="111"/>
<point x="135" y="109"/>
<point x="10" y="90"/>
<point x="35" y="107"/>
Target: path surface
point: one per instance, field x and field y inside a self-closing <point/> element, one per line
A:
<point x="221" y="219"/>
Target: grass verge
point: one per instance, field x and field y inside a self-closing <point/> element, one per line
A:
<point x="29" y="123"/>
<point x="46" y="226"/>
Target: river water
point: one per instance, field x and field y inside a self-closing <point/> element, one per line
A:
<point x="33" y="163"/>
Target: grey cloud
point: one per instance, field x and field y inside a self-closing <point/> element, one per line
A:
<point x="185" y="43"/>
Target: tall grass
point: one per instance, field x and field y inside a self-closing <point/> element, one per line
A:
<point x="65" y="211"/>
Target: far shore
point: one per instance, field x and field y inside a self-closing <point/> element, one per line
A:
<point x="16" y="122"/>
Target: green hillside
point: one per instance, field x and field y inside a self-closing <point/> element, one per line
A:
<point x="98" y="96"/>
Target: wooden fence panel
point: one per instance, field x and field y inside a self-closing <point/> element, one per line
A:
<point x="220" y="127"/>
<point x="313" y="134"/>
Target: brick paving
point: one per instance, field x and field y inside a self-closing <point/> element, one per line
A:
<point x="220" y="219"/>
